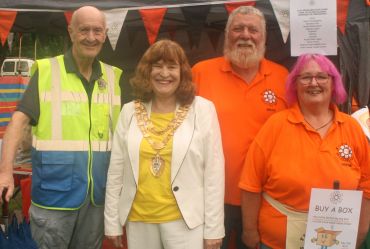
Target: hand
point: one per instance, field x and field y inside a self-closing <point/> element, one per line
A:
<point x="116" y="241"/>
<point x="212" y="243"/>
<point x="6" y="185"/>
<point x="251" y="238"/>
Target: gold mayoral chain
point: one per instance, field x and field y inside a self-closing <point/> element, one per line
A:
<point x="147" y="128"/>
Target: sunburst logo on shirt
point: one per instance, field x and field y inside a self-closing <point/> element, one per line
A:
<point x="345" y="151"/>
<point x="269" y="97"/>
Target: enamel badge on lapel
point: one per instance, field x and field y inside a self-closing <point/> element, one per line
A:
<point x="102" y="84"/>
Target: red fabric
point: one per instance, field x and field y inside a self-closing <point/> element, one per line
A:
<point x="152" y="19"/>
<point x="342" y="10"/>
<point x="232" y="241"/>
<point x="231" y="6"/>
<point x="7" y="19"/>
<point x="68" y="16"/>
<point x="26" y="195"/>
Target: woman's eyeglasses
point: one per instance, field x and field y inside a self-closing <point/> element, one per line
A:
<point x="320" y="78"/>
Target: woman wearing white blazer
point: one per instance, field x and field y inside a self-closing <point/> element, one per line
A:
<point x="166" y="175"/>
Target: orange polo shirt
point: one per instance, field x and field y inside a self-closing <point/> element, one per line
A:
<point x="241" y="108"/>
<point x="288" y="158"/>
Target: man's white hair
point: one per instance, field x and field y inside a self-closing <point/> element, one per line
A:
<point x="245" y="10"/>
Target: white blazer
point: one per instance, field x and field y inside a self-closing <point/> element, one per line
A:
<point x="197" y="170"/>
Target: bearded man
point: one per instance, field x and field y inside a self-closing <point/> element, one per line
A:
<point x="246" y="89"/>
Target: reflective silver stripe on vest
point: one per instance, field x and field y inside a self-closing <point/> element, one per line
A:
<point x="116" y="100"/>
<point x="106" y="98"/>
<point x="100" y="98"/>
<point x="110" y="78"/>
<point x="69" y="145"/>
<point x="66" y="96"/>
<point x="56" y="96"/>
<point x="56" y="110"/>
<point x="109" y="97"/>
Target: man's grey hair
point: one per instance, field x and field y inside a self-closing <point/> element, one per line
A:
<point x="246" y="10"/>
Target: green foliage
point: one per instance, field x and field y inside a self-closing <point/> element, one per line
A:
<point x="51" y="45"/>
<point x="36" y="46"/>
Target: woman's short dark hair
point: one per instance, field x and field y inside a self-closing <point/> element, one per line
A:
<point x="168" y="51"/>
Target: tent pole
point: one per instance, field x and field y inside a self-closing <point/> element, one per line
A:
<point x="35" y="48"/>
<point x="20" y="46"/>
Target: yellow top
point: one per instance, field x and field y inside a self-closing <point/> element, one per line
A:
<point x="154" y="201"/>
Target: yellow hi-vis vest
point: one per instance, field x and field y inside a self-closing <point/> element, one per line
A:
<point x="72" y="140"/>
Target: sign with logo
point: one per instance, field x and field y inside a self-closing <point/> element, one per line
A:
<point x="333" y="219"/>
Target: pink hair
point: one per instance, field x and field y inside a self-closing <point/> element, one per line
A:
<point x="339" y="94"/>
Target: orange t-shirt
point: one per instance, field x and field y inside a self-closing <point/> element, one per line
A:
<point x="241" y="108"/>
<point x="288" y="158"/>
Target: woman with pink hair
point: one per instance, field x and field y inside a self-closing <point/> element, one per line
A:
<point x="310" y="145"/>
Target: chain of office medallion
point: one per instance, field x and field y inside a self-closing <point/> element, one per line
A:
<point x="147" y="127"/>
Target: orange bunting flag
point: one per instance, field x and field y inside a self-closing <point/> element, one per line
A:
<point x="152" y="19"/>
<point x="7" y="20"/>
<point x="342" y="10"/>
<point x="68" y="16"/>
<point x="231" y="6"/>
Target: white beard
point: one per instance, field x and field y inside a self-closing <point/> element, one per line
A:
<point x="244" y="58"/>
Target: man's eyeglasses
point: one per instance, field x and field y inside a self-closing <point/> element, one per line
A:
<point x="306" y="79"/>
